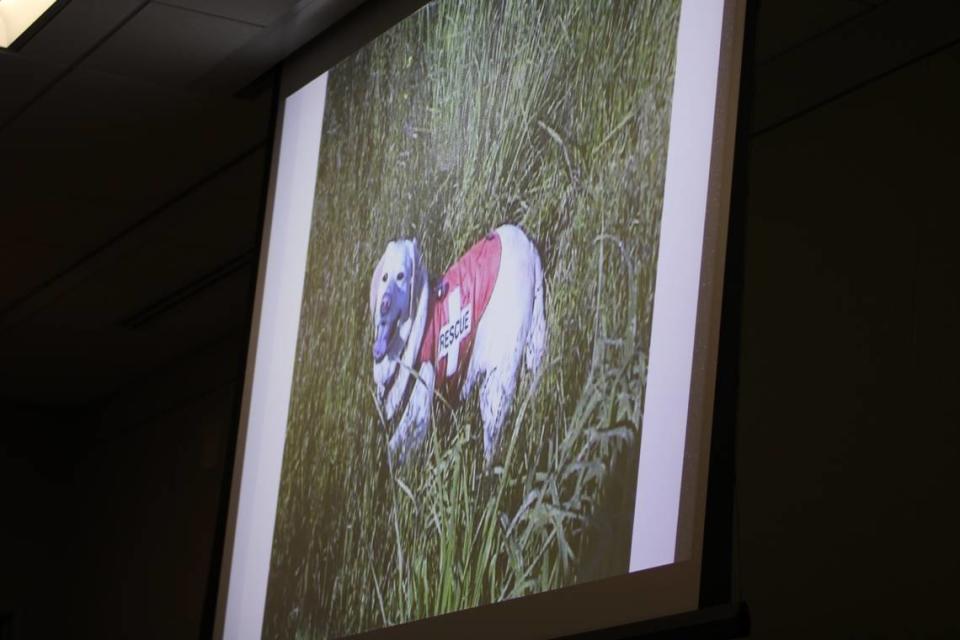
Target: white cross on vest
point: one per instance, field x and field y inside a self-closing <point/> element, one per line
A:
<point x="456" y="330"/>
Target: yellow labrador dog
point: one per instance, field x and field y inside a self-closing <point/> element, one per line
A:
<point x="473" y="325"/>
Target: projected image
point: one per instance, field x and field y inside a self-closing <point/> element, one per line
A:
<point x="466" y="410"/>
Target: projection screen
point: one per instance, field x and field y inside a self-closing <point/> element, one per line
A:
<point x="480" y="381"/>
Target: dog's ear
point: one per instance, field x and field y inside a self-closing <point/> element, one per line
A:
<point x="412" y="250"/>
<point x="419" y="265"/>
<point x="417" y="271"/>
<point x="377" y="272"/>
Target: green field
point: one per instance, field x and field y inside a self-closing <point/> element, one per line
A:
<point x="550" y="115"/>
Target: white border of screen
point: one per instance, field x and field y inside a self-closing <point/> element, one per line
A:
<point x="678" y="286"/>
<point x="677" y="351"/>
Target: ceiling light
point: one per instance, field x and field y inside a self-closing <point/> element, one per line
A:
<point x="19" y="19"/>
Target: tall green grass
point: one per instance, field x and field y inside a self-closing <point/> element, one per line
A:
<point x="553" y="116"/>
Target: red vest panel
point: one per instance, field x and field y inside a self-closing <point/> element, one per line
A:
<point x="457" y="303"/>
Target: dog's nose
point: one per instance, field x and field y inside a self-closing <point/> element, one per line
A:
<point x="385" y="304"/>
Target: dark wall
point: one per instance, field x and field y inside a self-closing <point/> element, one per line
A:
<point x="847" y="445"/>
<point x="110" y="516"/>
<point x="848" y="420"/>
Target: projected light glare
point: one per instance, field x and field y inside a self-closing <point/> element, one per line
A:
<point x="16" y="16"/>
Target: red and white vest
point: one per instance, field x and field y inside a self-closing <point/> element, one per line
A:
<point x="457" y="302"/>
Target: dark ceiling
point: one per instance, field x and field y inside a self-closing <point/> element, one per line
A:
<point x="132" y="181"/>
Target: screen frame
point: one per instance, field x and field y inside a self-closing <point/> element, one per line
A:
<point x="666" y="590"/>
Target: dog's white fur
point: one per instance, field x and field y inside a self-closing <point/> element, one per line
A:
<point x="512" y="328"/>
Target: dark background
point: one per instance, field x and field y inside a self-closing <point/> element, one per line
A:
<point x="133" y="150"/>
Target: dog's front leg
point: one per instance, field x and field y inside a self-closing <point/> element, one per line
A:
<point x="415" y="421"/>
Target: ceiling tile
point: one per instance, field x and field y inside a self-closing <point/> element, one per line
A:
<point x="44" y="233"/>
<point x="98" y="154"/>
<point x="54" y="360"/>
<point x="260" y="12"/>
<point x="78" y="28"/>
<point x="287" y="34"/>
<point x="21" y="79"/>
<point x="107" y="137"/>
<point x="169" y="45"/>
<point x="186" y="245"/>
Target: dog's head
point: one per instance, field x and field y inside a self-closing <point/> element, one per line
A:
<point x="392" y="296"/>
<point x="399" y="297"/>
<point x="399" y="294"/>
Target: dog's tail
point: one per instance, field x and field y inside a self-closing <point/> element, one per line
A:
<point x="536" y="345"/>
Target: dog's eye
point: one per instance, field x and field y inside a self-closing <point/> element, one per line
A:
<point x="400" y="276"/>
<point x="385" y="277"/>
